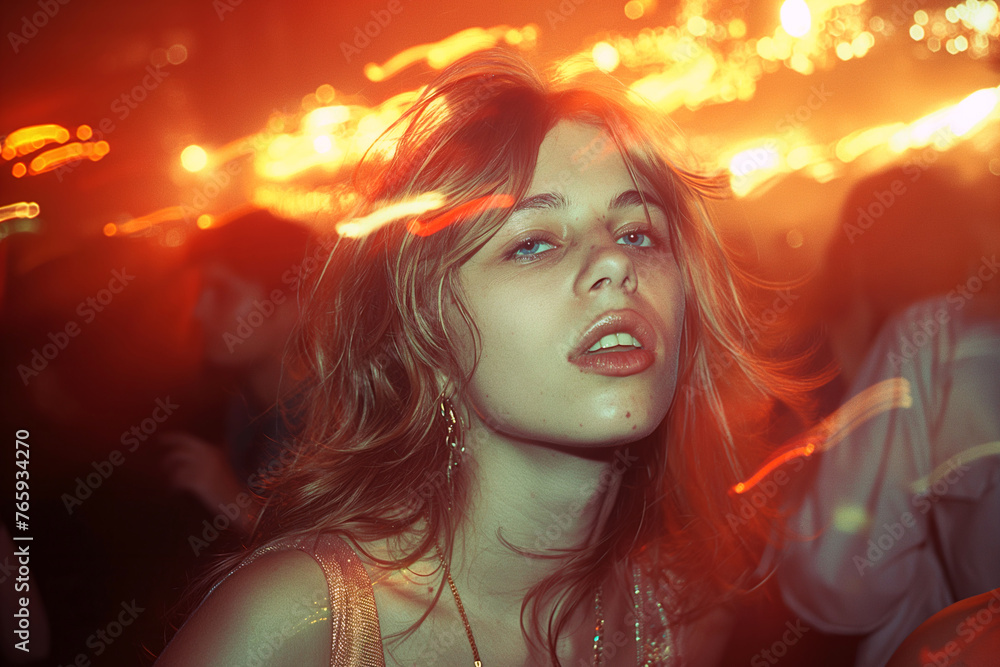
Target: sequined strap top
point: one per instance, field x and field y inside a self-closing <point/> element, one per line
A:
<point x="355" y="637"/>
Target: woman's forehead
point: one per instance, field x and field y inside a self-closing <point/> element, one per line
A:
<point x="574" y="153"/>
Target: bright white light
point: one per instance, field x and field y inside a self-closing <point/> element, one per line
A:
<point x="605" y="56"/>
<point x="194" y="158"/>
<point x="972" y="110"/>
<point x="322" y="143"/>
<point x="356" y="228"/>
<point x="796" y="18"/>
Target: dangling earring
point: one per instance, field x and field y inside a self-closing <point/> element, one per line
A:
<point x="453" y="438"/>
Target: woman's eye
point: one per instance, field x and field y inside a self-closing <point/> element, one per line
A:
<point x="636" y="239"/>
<point x="531" y="247"/>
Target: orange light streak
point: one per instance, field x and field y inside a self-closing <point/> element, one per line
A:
<point x="56" y="157"/>
<point x="882" y="397"/>
<point x="22" y="209"/>
<point x="768" y="467"/>
<point x="443" y="53"/>
<point x="30" y="139"/>
<point x="134" y="225"/>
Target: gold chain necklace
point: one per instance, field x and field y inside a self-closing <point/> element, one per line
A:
<point x="598" y="608"/>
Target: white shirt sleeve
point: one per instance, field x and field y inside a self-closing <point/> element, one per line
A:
<point x="905" y="510"/>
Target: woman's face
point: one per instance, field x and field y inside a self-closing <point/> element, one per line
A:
<point x="579" y="303"/>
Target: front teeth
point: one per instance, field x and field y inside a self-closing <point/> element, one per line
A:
<point x="615" y="339"/>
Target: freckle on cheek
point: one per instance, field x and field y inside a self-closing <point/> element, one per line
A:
<point x="633" y="427"/>
<point x="627" y="415"/>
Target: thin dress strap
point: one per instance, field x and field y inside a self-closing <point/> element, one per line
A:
<point x="355" y="636"/>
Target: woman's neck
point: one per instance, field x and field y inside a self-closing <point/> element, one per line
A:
<point x="537" y="498"/>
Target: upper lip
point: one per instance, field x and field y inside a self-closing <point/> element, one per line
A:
<point x="615" y="321"/>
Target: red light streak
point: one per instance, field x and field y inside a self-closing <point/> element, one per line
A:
<point x="886" y="395"/>
<point x="468" y="209"/>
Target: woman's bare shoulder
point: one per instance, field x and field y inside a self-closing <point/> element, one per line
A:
<point x="273" y="610"/>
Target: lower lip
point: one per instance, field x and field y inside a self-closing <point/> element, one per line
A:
<point x="616" y="364"/>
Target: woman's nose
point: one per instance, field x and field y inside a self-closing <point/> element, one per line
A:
<point x="607" y="265"/>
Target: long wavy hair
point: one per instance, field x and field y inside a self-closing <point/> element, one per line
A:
<point x="372" y="464"/>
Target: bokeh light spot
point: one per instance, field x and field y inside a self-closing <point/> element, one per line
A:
<point x="697" y="26"/>
<point x="634" y="9"/>
<point x="194" y="158"/>
<point x="326" y="93"/>
<point x="850" y="519"/>
<point x="605" y="57"/>
<point x="177" y="54"/>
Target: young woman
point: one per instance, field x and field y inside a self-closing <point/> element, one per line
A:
<point x="521" y="437"/>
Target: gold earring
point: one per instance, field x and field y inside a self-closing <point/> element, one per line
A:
<point x="453" y="438"/>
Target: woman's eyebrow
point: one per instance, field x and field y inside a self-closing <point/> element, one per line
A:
<point x="631" y="198"/>
<point x="556" y="200"/>
<point x="547" y="200"/>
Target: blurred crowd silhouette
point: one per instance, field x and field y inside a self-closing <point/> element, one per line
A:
<point x="155" y="425"/>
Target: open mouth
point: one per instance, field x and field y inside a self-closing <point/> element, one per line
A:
<point x="616" y="342"/>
